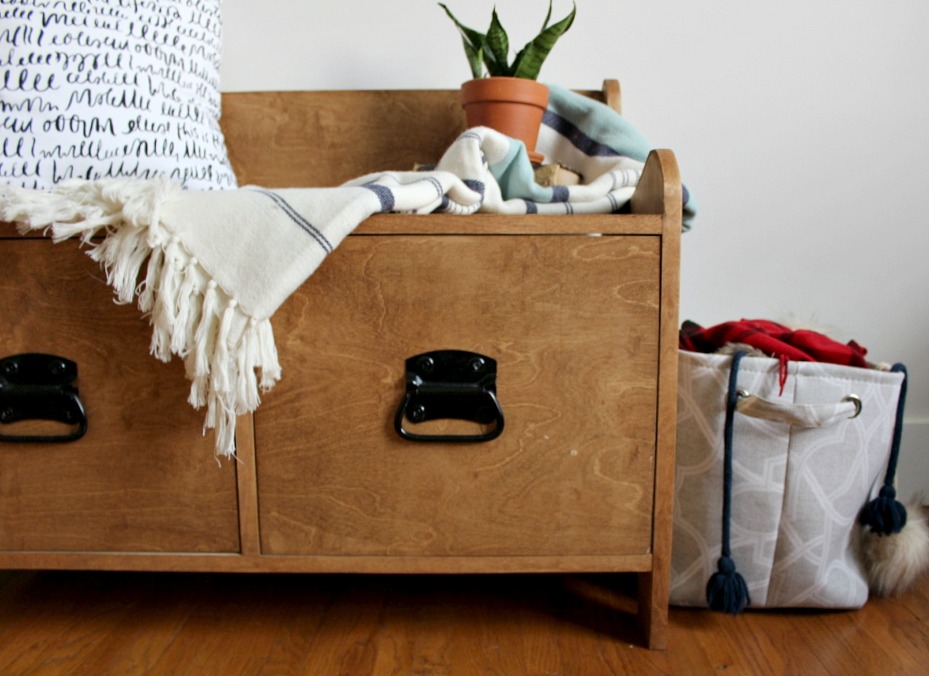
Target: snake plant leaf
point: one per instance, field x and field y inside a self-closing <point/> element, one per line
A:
<point x="528" y="61"/>
<point x="475" y="58"/>
<point x="548" y="17"/>
<point x="473" y="41"/>
<point x="491" y="50"/>
<point x="497" y="54"/>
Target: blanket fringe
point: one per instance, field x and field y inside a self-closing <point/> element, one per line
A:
<point x="222" y="347"/>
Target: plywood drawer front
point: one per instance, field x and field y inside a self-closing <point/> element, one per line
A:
<point x="142" y="479"/>
<point x="573" y="324"/>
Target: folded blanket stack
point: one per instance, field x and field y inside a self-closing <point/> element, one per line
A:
<point x="215" y="266"/>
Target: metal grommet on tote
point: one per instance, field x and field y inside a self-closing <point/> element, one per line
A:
<point x="855" y="399"/>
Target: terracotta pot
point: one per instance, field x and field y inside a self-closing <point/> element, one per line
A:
<point x="511" y="105"/>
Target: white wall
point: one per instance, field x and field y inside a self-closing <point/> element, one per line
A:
<point x="801" y="126"/>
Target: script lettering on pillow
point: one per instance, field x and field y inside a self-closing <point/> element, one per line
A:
<point x="111" y="88"/>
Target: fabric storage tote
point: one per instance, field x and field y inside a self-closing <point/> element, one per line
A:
<point x="804" y="462"/>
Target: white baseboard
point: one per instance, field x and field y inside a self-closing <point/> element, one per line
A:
<point x="913" y="466"/>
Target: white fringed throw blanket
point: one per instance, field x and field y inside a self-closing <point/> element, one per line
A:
<point x="215" y="266"/>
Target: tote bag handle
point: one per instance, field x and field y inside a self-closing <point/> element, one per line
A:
<point x="801" y="415"/>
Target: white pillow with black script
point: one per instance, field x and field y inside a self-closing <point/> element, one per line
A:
<point x="111" y="88"/>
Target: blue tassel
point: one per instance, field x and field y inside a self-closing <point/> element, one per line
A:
<point x="726" y="591"/>
<point x="884" y="515"/>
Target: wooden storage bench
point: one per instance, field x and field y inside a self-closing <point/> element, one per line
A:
<point x="582" y="329"/>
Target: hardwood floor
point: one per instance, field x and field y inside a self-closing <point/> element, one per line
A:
<point x="173" y="623"/>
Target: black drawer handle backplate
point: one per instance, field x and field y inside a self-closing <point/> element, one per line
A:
<point x="40" y="387"/>
<point x="450" y="384"/>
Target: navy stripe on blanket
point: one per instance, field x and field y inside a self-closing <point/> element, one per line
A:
<point x="295" y="216"/>
<point x="471" y="135"/>
<point x="614" y="205"/>
<point x="438" y="186"/>
<point x="477" y="186"/>
<point x="578" y="139"/>
<point x="385" y="195"/>
<point x="560" y="193"/>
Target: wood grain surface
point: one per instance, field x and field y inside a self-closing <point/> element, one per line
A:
<point x="572" y="322"/>
<point x="463" y="625"/>
<point x="583" y="328"/>
<point x="321" y="139"/>
<point x="143" y="478"/>
<point x="324" y="138"/>
<point x="660" y="192"/>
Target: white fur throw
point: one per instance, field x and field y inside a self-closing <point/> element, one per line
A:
<point x="894" y="562"/>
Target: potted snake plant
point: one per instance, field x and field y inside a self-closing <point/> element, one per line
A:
<point x="504" y="94"/>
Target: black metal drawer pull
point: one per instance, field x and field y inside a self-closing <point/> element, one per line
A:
<point x="40" y="387"/>
<point x="450" y="384"/>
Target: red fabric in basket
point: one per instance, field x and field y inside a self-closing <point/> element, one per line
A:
<point x="775" y="340"/>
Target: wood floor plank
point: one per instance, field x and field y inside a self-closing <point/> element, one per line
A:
<point x="65" y="624"/>
<point x="152" y="622"/>
<point x="355" y="625"/>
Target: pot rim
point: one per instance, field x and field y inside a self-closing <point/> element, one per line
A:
<point x="504" y="88"/>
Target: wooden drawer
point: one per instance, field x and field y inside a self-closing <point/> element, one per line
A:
<point x="573" y="322"/>
<point x="141" y="479"/>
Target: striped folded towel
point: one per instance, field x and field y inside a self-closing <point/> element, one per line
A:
<point x="215" y="265"/>
<point x="582" y="134"/>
